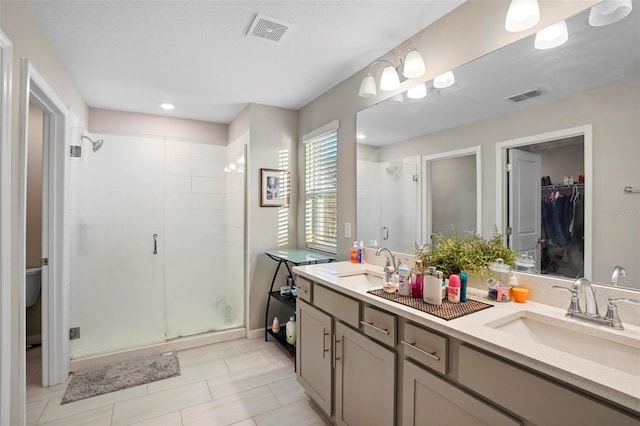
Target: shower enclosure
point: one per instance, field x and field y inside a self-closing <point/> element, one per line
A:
<point x="157" y="241"/>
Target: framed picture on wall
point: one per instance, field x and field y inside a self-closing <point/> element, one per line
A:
<point x="275" y="188"/>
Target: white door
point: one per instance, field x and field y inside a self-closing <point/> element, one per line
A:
<point x="524" y="201"/>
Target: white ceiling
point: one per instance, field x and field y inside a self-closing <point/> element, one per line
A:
<point x="132" y="55"/>
<point x="592" y="57"/>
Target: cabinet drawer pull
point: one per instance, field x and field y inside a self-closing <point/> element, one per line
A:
<point x="429" y="354"/>
<point x="324" y="347"/>
<point x="370" y="324"/>
<point x="302" y="289"/>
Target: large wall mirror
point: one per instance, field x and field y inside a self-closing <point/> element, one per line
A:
<point x="519" y="93"/>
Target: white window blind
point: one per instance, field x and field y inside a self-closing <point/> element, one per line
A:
<point x="321" y="191"/>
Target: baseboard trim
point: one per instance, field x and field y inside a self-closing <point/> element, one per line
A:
<point x="255" y="334"/>
<point x="178" y="344"/>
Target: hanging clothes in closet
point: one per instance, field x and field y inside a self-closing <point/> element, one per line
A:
<point x="562" y="243"/>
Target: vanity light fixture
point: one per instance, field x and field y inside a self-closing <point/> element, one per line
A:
<point x="444" y="80"/>
<point x="609" y="12"/>
<point x="391" y="77"/>
<point x="418" y="91"/>
<point x="522" y="15"/>
<point x="167" y="106"/>
<point x="552" y="36"/>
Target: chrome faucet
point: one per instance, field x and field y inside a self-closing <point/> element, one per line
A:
<point x="390" y="265"/>
<point x="583" y="285"/>
<point x="618" y="272"/>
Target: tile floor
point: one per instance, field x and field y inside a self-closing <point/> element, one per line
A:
<point x="241" y="382"/>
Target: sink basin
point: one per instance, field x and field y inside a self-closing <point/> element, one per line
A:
<point x="359" y="280"/>
<point x="588" y="342"/>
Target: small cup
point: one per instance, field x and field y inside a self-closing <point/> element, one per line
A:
<point x="519" y="294"/>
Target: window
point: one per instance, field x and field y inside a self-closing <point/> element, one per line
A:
<point x="321" y="189"/>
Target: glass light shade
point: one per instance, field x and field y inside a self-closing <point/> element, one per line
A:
<point x="389" y="79"/>
<point x="552" y="36"/>
<point x="368" y="87"/>
<point x="413" y="64"/>
<point x="417" y="92"/>
<point x="444" y="80"/>
<point x="522" y="15"/>
<point x="608" y="12"/>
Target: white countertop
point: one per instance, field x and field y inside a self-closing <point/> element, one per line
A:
<point x="609" y="383"/>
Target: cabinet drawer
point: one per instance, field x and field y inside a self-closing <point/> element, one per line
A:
<point x="304" y="288"/>
<point x="426" y="347"/>
<point x="379" y="325"/>
<point x="531" y="396"/>
<point x="342" y="307"/>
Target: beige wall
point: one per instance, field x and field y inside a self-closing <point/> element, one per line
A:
<point x="470" y="31"/>
<point x="132" y="123"/>
<point x="34" y="188"/>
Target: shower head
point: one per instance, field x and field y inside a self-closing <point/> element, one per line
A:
<point x="96" y="144"/>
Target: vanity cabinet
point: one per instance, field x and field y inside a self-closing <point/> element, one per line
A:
<point x="428" y="399"/>
<point x="314" y="354"/>
<point x="365" y="374"/>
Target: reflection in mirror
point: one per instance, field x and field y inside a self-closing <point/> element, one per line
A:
<point x="591" y="80"/>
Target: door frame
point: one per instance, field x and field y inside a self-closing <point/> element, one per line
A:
<point x="427" y="226"/>
<point x="6" y="61"/>
<point x="586" y="131"/>
<point x="55" y="277"/>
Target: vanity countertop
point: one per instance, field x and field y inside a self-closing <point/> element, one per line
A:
<point x="598" y="378"/>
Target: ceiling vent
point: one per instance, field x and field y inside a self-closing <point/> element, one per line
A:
<point x="525" y="95"/>
<point x="269" y="29"/>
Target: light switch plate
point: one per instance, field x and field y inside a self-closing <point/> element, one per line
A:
<point x="347" y="229"/>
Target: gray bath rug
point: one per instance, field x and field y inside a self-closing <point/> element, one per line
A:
<point x="122" y="375"/>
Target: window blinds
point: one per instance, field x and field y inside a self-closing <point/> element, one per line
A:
<point x="321" y="192"/>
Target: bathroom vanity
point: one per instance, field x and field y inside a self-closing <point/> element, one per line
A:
<point x="365" y="360"/>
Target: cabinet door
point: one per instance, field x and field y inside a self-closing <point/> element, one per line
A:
<point x="427" y="399"/>
<point x="313" y="354"/>
<point x="365" y="380"/>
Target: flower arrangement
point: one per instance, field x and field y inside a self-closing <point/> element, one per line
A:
<point x="453" y="254"/>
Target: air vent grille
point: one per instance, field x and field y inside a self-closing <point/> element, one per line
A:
<point x="268" y="29"/>
<point x="525" y="95"/>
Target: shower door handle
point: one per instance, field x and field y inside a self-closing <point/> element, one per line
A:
<point x="155" y="243"/>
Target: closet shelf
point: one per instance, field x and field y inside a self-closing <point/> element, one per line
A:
<point x="579" y="185"/>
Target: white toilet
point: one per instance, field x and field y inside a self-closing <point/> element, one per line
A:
<point x="33" y="280"/>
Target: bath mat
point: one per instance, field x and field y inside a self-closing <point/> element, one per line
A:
<point x="122" y="375"/>
<point x="446" y="311"/>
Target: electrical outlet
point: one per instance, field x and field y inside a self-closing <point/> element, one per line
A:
<point x="74" y="333"/>
<point x="347" y="229"/>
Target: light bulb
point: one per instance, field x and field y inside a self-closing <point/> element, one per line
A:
<point x="368" y="87"/>
<point x="444" y="80"/>
<point x="417" y="92"/>
<point x="552" y="36"/>
<point x="389" y="79"/>
<point x="413" y="64"/>
<point x="167" y="106"/>
<point x="522" y="15"/>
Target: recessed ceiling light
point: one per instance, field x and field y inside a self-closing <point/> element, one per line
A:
<point x="167" y="106"/>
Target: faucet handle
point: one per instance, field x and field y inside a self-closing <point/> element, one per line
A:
<point x="574" y="307"/>
<point x="612" y="311"/>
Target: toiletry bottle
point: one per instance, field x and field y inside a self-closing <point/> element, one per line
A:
<point x="361" y="252"/>
<point x="417" y="280"/>
<point x="275" y="327"/>
<point x="404" y="285"/>
<point x="463" y="286"/>
<point x="454" y="289"/>
<point x="291" y="331"/>
<point x="353" y="254"/>
<point x="432" y="288"/>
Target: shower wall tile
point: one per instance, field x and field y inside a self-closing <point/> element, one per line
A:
<point x="178" y="184"/>
<point x="208" y="168"/>
<point x="206" y="185"/>
<point x="201" y="151"/>
<point x="176" y="149"/>
<point x="178" y="167"/>
<point x="208" y="201"/>
<point x="178" y="201"/>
